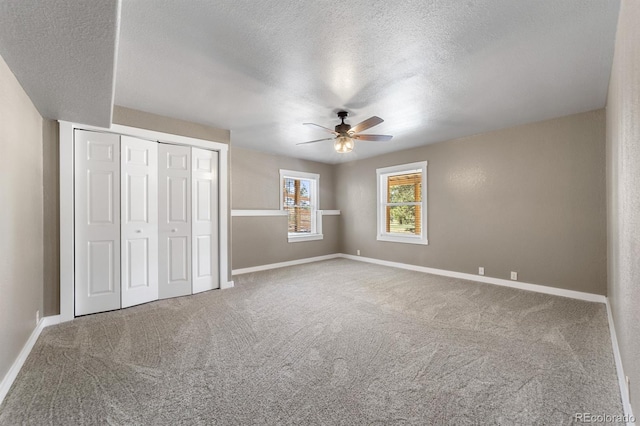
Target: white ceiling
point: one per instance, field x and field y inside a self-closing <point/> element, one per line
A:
<point x="434" y="70"/>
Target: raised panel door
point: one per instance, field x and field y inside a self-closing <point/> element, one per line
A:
<point x="139" y="215"/>
<point x="205" y="263"/>
<point x="174" y="215"/>
<point x="97" y="222"/>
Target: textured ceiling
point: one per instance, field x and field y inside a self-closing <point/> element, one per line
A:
<point x="63" y="53"/>
<point x="433" y="69"/>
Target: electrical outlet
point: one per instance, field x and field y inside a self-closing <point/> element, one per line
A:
<point x="514" y="276"/>
<point x="481" y="270"/>
<point x="358" y="252"/>
<point x="37" y="317"/>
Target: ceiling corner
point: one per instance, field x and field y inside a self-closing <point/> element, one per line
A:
<point x="63" y="53"/>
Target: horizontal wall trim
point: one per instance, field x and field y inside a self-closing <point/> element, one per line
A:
<point x="11" y="375"/>
<point x="302" y="238"/>
<point x="622" y="382"/>
<point x="284" y="264"/>
<point x="572" y="294"/>
<point x="228" y="284"/>
<point x="248" y="213"/>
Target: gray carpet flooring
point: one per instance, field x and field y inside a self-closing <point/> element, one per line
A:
<point x="334" y="343"/>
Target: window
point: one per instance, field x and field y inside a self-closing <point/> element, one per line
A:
<point x="299" y="198"/>
<point x="402" y="203"/>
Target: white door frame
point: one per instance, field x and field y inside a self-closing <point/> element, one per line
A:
<point x="67" y="201"/>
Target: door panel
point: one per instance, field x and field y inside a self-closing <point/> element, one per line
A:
<point x="204" y="255"/>
<point x="138" y="261"/>
<point x="100" y="150"/>
<point x="139" y="241"/>
<point x="174" y="191"/>
<point x="204" y="200"/>
<point x="205" y="221"/>
<point x="100" y="268"/>
<point x="178" y="199"/>
<point x="100" y="196"/>
<point x="178" y="264"/>
<point x="137" y="205"/>
<point x="97" y="222"/>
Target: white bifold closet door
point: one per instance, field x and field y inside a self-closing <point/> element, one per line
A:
<point x="139" y="221"/>
<point x="97" y="222"/>
<point x="174" y="215"/>
<point x="146" y="221"/>
<point x="204" y="177"/>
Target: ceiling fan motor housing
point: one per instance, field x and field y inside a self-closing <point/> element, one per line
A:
<point x="343" y="127"/>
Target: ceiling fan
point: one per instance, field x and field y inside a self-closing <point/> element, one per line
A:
<point x="344" y="134"/>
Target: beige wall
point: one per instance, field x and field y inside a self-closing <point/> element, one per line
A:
<point x="529" y="199"/>
<point x="51" y="218"/>
<point x="145" y="120"/>
<point x="623" y="188"/>
<point x="21" y="218"/>
<point x="255" y="184"/>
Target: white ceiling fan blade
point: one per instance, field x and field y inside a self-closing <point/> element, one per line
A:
<point x="366" y="124"/>
<point x="373" y="137"/>
<point x="322" y="127"/>
<point x="317" y="140"/>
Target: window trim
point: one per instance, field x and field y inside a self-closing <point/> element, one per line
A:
<point x="316" y="213"/>
<point x="382" y="174"/>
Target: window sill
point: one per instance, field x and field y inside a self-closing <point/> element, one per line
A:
<point x="292" y="238"/>
<point x="403" y="239"/>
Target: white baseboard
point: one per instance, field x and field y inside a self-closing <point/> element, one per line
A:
<point x="589" y="297"/>
<point x="51" y="320"/>
<point x="11" y="375"/>
<point x="622" y="382"/>
<point x="284" y="264"/>
<point x="228" y="284"/>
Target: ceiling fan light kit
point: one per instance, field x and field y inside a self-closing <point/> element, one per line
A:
<point x="345" y="134"/>
<point x="343" y="144"/>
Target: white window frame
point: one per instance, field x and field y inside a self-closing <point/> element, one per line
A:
<point x="316" y="213"/>
<point x="382" y="175"/>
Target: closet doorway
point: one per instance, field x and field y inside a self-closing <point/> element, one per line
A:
<point x="148" y="218"/>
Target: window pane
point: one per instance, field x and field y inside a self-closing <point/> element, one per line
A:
<point x="299" y="199"/>
<point x="296" y="192"/>
<point x="404" y="188"/>
<point x="289" y="192"/>
<point x="299" y="219"/>
<point x="403" y="220"/>
<point x="304" y="193"/>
